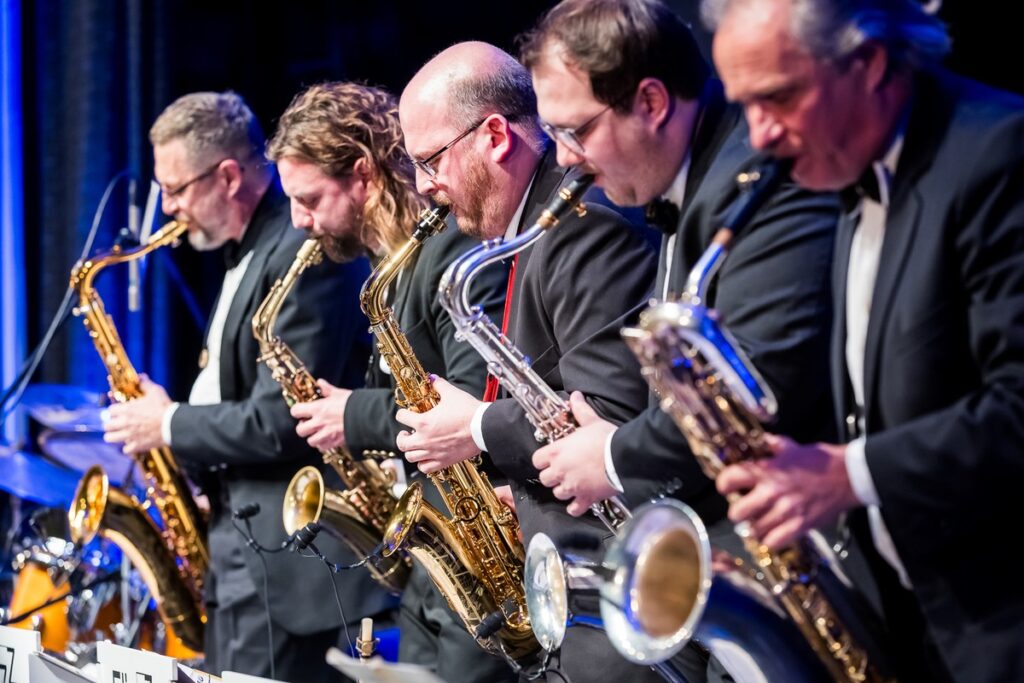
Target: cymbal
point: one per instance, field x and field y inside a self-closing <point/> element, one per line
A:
<point x="81" y="450"/>
<point x="32" y="477"/>
<point x="64" y="407"/>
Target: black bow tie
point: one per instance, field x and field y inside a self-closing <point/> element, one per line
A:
<point x="866" y="187"/>
<point x="662" y="214"/>
<point x="232" y="254"/>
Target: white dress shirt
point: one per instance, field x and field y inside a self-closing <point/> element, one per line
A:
<point x="676" y="194"/>
<point x="862" y="271"/>
<point x="476" y="424"/>
<point x="206" y="388"/>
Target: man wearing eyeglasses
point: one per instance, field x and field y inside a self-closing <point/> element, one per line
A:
<point x="470" y="123"/>
<point x="235" y="432"/>
<point x="645" y="115"/>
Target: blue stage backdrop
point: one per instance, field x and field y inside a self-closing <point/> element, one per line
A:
<point x="12" y="251"/>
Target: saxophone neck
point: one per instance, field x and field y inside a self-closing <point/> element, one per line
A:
<point x="309" y="254"/>
<point x="84" y="272"/>
<point x="757" y="186"/>
<point x="372" y="295"/>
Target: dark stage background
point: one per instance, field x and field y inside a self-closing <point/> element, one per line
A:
<point x="95" y="73"/>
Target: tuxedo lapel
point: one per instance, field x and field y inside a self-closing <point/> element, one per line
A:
<point x="929" y="116"/>
<point x="841" y="389"/>
<point x="261" y="247"/>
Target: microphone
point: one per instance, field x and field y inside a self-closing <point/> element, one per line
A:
<point x="246" y="511"/>
<point x="305" y="536"/>
<point x="134" y="276"/>
<point x="493" y="622"/>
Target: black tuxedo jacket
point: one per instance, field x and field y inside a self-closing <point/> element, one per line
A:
<point x="574" y="289"/>
<point x="249" y="438"/>
<point x="370" y="425"/>
<point x="944" y="372"/>
<point x="772" y="293"/>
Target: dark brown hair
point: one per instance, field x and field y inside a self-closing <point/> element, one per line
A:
<point x="618" y="43"/>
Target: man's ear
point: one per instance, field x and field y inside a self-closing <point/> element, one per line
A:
<point x="500" y="138"/>
<point x="232" y="171"/>
<point x="653" y="102"/>
<point x="874" y="59"/>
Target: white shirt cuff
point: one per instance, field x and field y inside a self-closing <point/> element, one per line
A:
<point x="609" y="465"/>
<point x="165" y="422"/>
<point x="860" y="476"/>
<point x="476" y="426"/>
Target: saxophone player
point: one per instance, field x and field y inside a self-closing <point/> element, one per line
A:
<point x="470" y="123"/>
<point x="340" y="152"/>
<point x="929" y="294"/>
<point x="646" y="116"/>
<point x="234" y="429"/>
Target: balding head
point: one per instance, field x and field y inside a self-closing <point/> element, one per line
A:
<point x="468" y="81"/>
<point x="469" y="117"/>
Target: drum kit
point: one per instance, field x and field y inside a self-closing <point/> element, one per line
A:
<point x="73" y="595"/>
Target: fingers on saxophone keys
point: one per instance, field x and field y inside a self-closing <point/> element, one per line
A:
<point x="736" y="478"/>
<point x="562" y="492"/>
<point x="785" y="534"/>
<point x="550" y="477"/>
<point x="408" y="418"/>
<point x="751" y="507"/>
<point x="577" y="508"/>
<point x="406" y="441"/>
<point x="429" y="466"/>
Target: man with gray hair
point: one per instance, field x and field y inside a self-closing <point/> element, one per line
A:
<point x="470" y="123"/>
<point x="236" y="431"/>
<point x="929" y="305"/>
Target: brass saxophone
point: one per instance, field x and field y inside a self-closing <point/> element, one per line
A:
<point x="475" y="558"/>
<point x="548" y="412"/>
<point x="719" y="401"/>
<point x="359" y="514"/>
<point x="172" y="562"/>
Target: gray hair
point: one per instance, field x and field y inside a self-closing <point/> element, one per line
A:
<point x="210" y="124"/>
<point x="832" y="30"/>
<point x="506" y="89"/>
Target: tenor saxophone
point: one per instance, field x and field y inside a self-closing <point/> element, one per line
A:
<point x="548" y="412"/>
<point x="475" y="557"/>
<point x="359" y="515"/>
<point x="719" y="401"/>
<point x="173" y="561"/>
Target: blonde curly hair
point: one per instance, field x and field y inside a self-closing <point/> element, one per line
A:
<point x="333" y="125"/>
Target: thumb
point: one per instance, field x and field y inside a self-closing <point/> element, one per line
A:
<point x="326" y="388"/>
<point x="441" y="385"/>
<point x="582" y="410"/>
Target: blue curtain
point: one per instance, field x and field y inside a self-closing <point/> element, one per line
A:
<point x="12" y="248"/>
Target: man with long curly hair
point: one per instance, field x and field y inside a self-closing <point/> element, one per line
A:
<point x="342" y="160"/>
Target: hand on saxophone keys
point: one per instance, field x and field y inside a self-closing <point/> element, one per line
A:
<point x="573" y="466"/>
<point x="137" y="423"/>
<point x="322" y="422"/>
<point x="440" y="437"/>
<point x="802" y="487"/>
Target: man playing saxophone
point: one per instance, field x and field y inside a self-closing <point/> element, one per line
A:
<point x="470" y="123"/>
<point x="235" y="430"/>
<point x="340" y="152"/>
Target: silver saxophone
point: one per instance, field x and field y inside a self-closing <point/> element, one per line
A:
<point x="720" y="403"/>
<point x="548" y="412"/>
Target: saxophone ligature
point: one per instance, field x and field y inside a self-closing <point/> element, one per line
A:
<point x="172" y="561"/>
<point x="474" y="557"/>
<point x="359" y="514"/>
<point x="548" y="412"/>
<point x="719" y="401"/>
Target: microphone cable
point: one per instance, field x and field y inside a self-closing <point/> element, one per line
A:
<point x="244" y="513"/>
<point x="31" y="362"/>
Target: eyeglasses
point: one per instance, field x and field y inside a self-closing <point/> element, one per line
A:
<point x="573" y="137"/>
<point x="425" y="164"/>
<point x="185" y="185"/>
